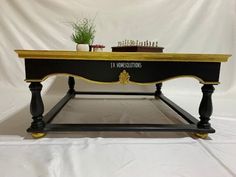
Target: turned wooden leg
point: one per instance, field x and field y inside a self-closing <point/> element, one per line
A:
<point x="158" y="89"/>
<point x="205" y="108"/>
<point x="36" y="108"/>
<point x="71" y="83"/>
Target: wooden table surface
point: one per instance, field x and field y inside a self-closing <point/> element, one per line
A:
<point x="121" y="56"/>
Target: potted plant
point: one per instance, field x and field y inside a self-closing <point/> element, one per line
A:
<point x="83" y="34"/>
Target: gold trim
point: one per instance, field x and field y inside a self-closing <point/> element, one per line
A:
<point x="201" y="135"/>
<point x="124" y="77"/>
<point x="38" y="135"/>
<point x="118" y="82"/>
<point x="121" y="56"/>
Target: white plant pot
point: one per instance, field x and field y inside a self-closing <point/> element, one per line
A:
<point x="82" y="47"/>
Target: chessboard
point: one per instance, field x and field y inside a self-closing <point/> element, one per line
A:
<point x="137" y="46"/>
<point x="137" y="49"/>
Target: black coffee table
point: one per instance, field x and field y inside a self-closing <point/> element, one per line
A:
<point x="123" y="68"/>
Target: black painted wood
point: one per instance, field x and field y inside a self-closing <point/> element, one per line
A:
<point x="184" y="114"/>
<point x="127" y="127"/>
<point x="158" y="89"/>
<point x="36" y="107"/>
<point x="102" y="71"/>
<point x="71" y="84"/>
<point x="206" y="108"/>
<point x="57" y="108"/>
<point x="115" y="93"/>
<point x="192" y="127"/>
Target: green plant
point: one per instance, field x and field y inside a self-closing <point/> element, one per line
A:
<point x="84" y="31"/>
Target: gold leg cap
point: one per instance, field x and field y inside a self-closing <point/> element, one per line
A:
<point x="201" y="135"/>
<point x="38" y="135"/>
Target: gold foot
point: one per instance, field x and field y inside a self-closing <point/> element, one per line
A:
<point x="38" y="135"/>
<point x="201" y="135"/>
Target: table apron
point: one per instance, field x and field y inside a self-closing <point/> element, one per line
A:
<point x="109" y="71"/>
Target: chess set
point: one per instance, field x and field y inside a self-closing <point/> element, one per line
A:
<point x="137" y="46"/>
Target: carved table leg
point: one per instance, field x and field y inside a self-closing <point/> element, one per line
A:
<point x="36" y="109"/>
<point x="71" y="83"/>
<point x="158" y="89"/>
<point x="205" y="108"/>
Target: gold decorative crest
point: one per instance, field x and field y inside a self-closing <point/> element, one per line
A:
<point x="124" y="77"/>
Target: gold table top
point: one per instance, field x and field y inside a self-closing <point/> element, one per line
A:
<point x="121" y="56"/>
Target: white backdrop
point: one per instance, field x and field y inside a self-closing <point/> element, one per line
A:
<point x="189" y="26"/>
